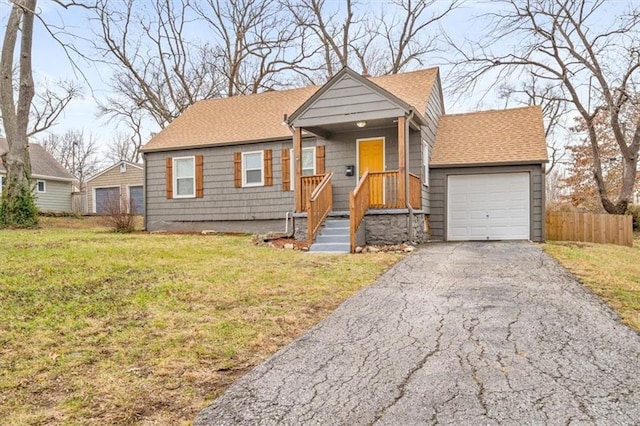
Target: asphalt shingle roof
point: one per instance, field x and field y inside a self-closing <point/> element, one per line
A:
<point x="490" y="137"/>
<point x="42" y="163"/>
<point x="260" y="116"/>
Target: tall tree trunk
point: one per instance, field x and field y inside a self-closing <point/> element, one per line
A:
<point x="15" y="115"/>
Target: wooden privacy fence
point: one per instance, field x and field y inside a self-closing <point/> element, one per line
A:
<point x="589" y="227"/>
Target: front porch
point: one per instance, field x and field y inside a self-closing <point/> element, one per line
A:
<point x="382" y="206"/>
<point x="372" y="147"/>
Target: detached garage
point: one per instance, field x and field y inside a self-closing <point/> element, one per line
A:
<point x="121" y="183"/>
<point x="487" y="176"/>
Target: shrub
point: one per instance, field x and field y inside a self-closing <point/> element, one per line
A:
<point x="118" y="214"/>
<point x="19" y="212"/>
<point x="634" y="210"/>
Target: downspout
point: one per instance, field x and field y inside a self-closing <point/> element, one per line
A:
<point x="407" y="181"/>
<point x="286" y="216"/>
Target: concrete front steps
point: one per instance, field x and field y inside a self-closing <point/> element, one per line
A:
<point x="333" y="237"/>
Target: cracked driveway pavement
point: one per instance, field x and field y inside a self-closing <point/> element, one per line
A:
<point x="468" y="333"/>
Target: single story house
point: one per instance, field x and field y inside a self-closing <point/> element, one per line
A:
<point x="53" y="184"/>
<point x="358" y="160"/>
<point x="122" y="182"/>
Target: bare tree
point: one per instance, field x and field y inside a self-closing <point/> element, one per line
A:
<point x="49" y="103"/>
<point x="534" y="91"/>
<point x="156" y="69"/>
<point x="124" y="147"/>
<point x="15" y="112"/>
<point x="255" y="46"/>
<point x="405" y="35"/>
<point x="335" y="35"/>
<point x="595" y="66"/>
<point x="75" y="152"/>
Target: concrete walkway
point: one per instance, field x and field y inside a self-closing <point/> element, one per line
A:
<point x="469" y="333"/>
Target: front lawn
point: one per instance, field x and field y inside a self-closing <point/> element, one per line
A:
<point x="612" y="272"/>
<point x="102" y="328"/>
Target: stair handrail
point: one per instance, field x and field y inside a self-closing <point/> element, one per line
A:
<point x="359" y="203"/>
<point x="319" y="206"/>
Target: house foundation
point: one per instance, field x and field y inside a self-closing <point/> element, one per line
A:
<point x="389" y="226"/>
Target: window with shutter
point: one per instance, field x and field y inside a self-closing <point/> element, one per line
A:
<point x="252" y="168"/>
<point x="184" y="177"/>
<point x="308" y="163"/>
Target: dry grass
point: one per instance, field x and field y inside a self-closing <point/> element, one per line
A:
<point x="612" y="272"/>
<point x="104" y="328"/>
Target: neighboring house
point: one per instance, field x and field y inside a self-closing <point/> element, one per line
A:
<point x="249" y="162"/>
<point x="53" y="184"/>
<point x="122" y="183"/>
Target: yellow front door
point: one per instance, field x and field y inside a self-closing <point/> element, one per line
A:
<point x="371" y="158"/>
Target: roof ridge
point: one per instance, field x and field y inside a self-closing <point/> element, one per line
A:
<point x="489" y="111"/>
<point x="309" y="87"/>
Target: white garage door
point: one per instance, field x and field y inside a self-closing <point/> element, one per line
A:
<point x="488" y="207"/>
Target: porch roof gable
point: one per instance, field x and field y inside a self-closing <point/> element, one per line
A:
<point x="349" y="96"/>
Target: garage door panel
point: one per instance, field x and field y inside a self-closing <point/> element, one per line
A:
<point x="488" y="206"/>
<point x="107" y="199"/>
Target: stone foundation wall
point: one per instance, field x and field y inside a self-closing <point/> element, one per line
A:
<point x="382" y="228"/>
<point x="300" y="228"/>
<point x="392" y="228"/>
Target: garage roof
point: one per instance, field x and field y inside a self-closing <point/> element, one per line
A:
<point x="259" y="117"/>
<point x="510" y="136"/>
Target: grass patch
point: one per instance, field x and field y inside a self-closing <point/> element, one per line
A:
<point x="102" y="328"/>
<point x="611" y="272"/>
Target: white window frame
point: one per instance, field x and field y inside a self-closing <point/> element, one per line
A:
<point x="245" y="170"/>
<point x="3" y="182"/>
<point x="292" y="165"/>
<point x="175" y="177"/>
<point x="425" y="163"/>
<point x="44" y="186"/>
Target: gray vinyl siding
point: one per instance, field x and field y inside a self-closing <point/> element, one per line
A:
<point x="435" y="109"/>
<point x="438" y="220"/>
<point x="222" y="201"/>
<point x="348" y="101"/>
<point x="57" y="197"/>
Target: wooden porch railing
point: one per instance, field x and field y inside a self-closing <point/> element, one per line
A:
<point x="383" y="190"/>
<point x="359" y="203"/>
<point x="415" y="191"/>
<point x="309" y="183"/>
<point x="319" y="206"/>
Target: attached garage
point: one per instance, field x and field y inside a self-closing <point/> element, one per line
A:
<point x="487" y="176"/>
<point x="488" y="207"/>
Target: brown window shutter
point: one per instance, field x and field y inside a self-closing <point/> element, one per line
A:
<point x="320" y="160"/>
<point x="169" y="168"/>
<point x="286" y="170"/>
<point x="237" y="169"/>
<point x="268" y="168"/>
<point x="199" y="176"/>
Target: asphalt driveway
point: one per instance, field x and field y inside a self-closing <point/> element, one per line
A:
<point x="469" y="333"/>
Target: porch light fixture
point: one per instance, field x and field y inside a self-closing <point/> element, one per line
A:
<point x="361" y="124"/>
